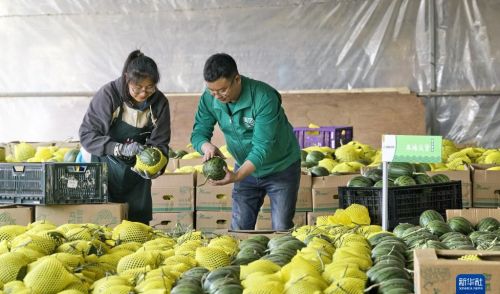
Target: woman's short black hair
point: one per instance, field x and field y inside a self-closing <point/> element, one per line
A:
<point x="138" y="67"/>
<point x="220" y="65"/>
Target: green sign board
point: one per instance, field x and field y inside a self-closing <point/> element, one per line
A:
<point x="403" y="148"/>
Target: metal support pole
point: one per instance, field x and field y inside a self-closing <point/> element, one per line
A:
<point x="385" y="198"/>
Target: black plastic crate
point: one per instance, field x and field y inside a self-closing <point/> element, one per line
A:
<point x="405" y="204"/>
<point x="53" y="183"/>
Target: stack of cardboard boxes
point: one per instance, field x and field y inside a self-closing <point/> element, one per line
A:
<point x="107" y="214"/>
<point x="173" y="197"/>
<point x="325" y="195"/>
<point x="213" y="206"/>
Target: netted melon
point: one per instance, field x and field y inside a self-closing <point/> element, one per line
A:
<point x="23" y="151"/>
<point x="214" y="168"/>
<point x="151" y="160"/>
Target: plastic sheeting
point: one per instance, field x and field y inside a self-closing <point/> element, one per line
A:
<point x="77" y="46"/>
<point x="293" y="45"/>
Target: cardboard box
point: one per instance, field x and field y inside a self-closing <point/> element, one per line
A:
<point x="312" y="216"/>
<point x="485" y="186"/>
<point x="465" y="177"/>
<point x="245" y="234"/>
<point x="171" y="165"/>
<point x="474" y="215"/>
<point x="216" y="198"/>
<point x="439" y="271"/>
<point x="168" y="221"/>
<point x="110" y="214"/>
<point x="173" y="192"/>
<point x="325" y="192"/>
<point x="187" y="162"/>
<point x="264" y="220"/>
<point x="304" y="196"/>
<point x="67" y="144"/>
<point x="16" y="215"/>
<point x="209" y="221"/>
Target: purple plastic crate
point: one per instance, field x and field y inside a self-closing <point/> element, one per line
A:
<point x="324" y="136"/>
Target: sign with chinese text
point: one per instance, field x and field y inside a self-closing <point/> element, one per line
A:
<point x="405" y="148"/>
<point x="470" y="284"/>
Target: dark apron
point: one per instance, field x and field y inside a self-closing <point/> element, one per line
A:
<point x="126" y="186"/>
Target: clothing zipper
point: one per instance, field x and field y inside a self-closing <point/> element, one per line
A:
<point x="235" y="133"/>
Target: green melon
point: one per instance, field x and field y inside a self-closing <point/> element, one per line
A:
<point x="229" y="289"/>
<point x="70" y="155"/>
<point x="150" y="160"/>
<point x="397" y="169"/>
<point x="314" y="156"/>
<point x="440" y="178"/>
<point x="399" y="229"/>
<point x="214" y="168"/>
<point x="461" y="225"/>
<point x="171" y="153"/>
<point x="360" y="181"/>
<point x="404" y="181"/>
<point x="303" y="155"/>
<point x="195" y="272"/>
<point x="422" y="179"/>
<point x="390" y="183"/>
<point x="318" y="171"/>
<point x="261" y="238"/>
<point x="488" y="224"/>
<point x="438" y="227"/>
<point x="186" y="289"/>
<point x="180" y="153"/>
<point x="374" y="174"/>
<point x="422" y="167"/>
<point x="307" y="164"/>
<point x="428" y="216"/>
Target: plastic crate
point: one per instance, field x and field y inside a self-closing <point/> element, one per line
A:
<point x="53" y="183"/>
<point x="405" y="204"/>
<point x="323" y="136"/>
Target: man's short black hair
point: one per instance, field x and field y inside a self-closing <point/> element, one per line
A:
<point x="220" y="65"/>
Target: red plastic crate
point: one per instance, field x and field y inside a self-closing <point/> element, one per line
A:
<point x="334" y="136"/>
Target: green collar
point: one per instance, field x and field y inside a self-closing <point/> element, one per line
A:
<point x="244" y="101"/>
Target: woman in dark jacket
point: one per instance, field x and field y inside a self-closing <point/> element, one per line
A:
<point x="124" y="116"/>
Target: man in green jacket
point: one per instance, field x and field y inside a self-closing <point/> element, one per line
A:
<point x="259" y="137"/>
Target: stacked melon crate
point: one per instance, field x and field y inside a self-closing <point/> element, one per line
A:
<point x="43" y="177"/>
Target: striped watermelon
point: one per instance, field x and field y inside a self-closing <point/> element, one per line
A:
<point x="428" y="216"/>
<point x="440" y="178"/>
<point x="404" y="181"/>
<point x="360" y="181"/>
<point x="488" y="224"/>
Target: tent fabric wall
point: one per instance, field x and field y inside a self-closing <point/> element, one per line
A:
<point x="77" y="46"/>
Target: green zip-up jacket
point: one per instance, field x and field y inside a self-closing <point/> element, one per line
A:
<point x="257" y="130"/>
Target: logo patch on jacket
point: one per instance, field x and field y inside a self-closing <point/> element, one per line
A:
<point x="249" y="122"/>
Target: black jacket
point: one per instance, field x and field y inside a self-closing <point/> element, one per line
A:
<point x="97" y="121"/>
